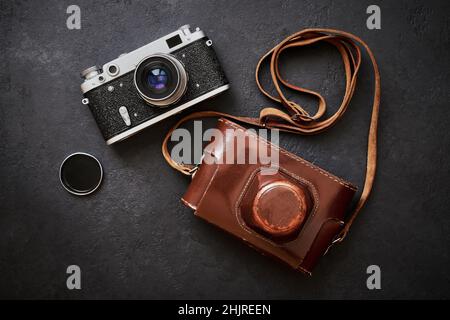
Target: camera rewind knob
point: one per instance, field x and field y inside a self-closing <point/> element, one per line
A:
<point x="186" y="30"/>
<point x="90" y="72"/>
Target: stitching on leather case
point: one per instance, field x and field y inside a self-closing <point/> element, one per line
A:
<point x="293" y="156"/>
<point x="313" y="192"/>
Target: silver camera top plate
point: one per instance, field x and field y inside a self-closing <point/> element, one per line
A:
<point x="127" y="62"/>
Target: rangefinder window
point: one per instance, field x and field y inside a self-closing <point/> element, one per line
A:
<point x="174" y="41"/>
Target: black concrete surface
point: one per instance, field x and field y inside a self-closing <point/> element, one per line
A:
<point x="133" y="238"/>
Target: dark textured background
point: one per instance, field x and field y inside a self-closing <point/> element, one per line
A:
<point x="134" y="239"/>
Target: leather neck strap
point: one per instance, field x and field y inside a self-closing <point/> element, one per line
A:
<point x="296" y="119"/>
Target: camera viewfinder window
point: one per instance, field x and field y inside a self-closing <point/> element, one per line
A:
<point x="174" y="41"/>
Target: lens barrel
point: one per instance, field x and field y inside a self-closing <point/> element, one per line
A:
<point x="160" y="80"/>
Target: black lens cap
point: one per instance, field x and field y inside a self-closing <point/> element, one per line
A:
<point x="81" y="173"/>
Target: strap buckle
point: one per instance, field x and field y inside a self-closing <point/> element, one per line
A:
<point x="295" y="117"/>
<point x="299" y="117"/>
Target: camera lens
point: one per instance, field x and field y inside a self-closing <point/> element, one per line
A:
<point x="157" y="79"/>
<point x="160" y="80"/>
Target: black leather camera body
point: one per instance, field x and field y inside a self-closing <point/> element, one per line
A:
<point x="149" y="84"/>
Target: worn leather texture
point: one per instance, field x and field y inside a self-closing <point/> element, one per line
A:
<point x="201" y="65"/>
<point x="224" y="193"/>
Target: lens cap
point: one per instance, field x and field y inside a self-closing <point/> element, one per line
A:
<point x="81" y="173"/>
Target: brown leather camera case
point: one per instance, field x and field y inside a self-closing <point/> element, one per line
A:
<point x="297" y="213"/>
<point x="293" y="215"/>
